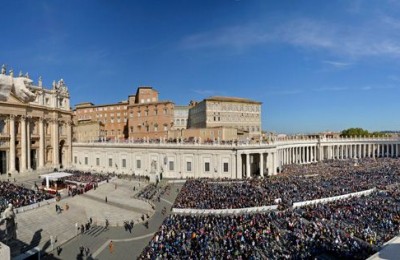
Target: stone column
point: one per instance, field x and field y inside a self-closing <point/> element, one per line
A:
<point x="239" y="166"/>
<point x="28" y="147"/>
<point x="12" y="145"/>
<point x="262" y="165"/>
<point x="23" y="144"/>
<point x="41" y="142"/>
<point x="68" y="156"/>
<point x="248" y="165"/>
<point x="55" y="144"/>
<point x="397" y="150"/>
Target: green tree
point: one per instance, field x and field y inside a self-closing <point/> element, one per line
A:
<point x="354" y="132"/>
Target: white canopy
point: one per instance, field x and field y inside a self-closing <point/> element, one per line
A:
<point x="55" y="175"/>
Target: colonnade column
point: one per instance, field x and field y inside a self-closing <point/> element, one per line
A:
<point x="262" y="165"/>
<point x="12" y="144"/>
<point x="247" y="165"/>
<point x="23" y="144"/>
<point x="28" y="147"/>
<point x="41" y="142"/>
<point x="55" y="143"/>
<point x="68" y="156"/>
<point x="397" y="150"/>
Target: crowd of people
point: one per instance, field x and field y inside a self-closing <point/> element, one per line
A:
<point x="86" y="177"/>
<point x="273" y="235"/>
<point x="19" y="196"/>
<point x="297" y="183"/>
<point x="351" y="228"/>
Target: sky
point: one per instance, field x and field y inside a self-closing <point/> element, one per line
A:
<point x="315" y="65"/>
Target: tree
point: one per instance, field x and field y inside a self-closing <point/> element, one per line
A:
<point x="359" y="132"/>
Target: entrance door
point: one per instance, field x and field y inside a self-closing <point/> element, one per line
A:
<point x="17" y="164"/>
<point x="3" y="162"/>
<point x="33" y="159"/>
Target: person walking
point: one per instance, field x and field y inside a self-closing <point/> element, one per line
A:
<point x="111" y="247"/>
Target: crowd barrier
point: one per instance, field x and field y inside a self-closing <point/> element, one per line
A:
<point x="325" y="200"/>
<point x="177" y="181"/>
<point x="34" y="206"/>
<point x="267" y="208"/>
<point x="224" y="211"/>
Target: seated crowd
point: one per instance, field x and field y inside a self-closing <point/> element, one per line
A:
<point x="19" y="196"/>
<point x="352" y="228"/>
<point x="297" y="183"/>
<point x="86" y="177"/>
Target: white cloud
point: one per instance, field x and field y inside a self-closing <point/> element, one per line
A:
<point x="375" y="37"/>
<point x="338" y="64"/>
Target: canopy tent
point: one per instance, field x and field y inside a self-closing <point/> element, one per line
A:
<point x="54" y="176"/>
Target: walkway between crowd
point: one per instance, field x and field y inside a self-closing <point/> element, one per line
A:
<point x="36" y="227"/>
<point x="126" y="245"/>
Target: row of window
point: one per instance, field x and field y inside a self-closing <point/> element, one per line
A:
<point x="101" y="109"/>
<point x="171" y="164"/>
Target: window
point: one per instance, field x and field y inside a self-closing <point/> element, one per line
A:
<point x="110" y="162"/>
<point x="189" y="166"/>
<point x="86" y="161"/>
<point x="75" y="159"/>
<point x="207" y="167"/>
<point x="97" y="161"/>
<point x="138" y="164"/>
<point x="171" y="165"/>
<point x="123" y="163"/>
<point x="226" y="167"/>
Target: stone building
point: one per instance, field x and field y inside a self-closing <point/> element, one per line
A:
<point x="181" y="117"/>
<point x="35" y="135"/>
<point x="148" y="116"/>
<point x="88" y="131"/>
<point x="114" y="117"/>
<point x="231" y="112"/>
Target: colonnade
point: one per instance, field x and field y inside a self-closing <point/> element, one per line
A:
<point x="256" y="162"/>
<point x="299" y="154"/>
<point x="303" y="154"/>
<point x="21" y="130"/>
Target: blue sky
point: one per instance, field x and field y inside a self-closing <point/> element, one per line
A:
<point x="315" y="65"/>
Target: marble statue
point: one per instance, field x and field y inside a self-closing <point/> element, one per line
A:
<point x="18" y="86"/>
<point x="8" y="227"/>
<point x="3" y="69"/>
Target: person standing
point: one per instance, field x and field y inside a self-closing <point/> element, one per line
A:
<point x="111" y="247"/>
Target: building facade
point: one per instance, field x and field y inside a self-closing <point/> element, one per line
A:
<point x="148" y="116"/>
<point x="236" y="161"/>
<point x="114" y="117"/>
<point x="181" y="117"/>
<point x="239" y="113"/>
<point x="36" y="135"/>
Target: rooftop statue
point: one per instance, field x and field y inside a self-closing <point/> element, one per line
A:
<point x="18" y="86"/>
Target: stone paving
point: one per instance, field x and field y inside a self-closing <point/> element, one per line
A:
<point x="126" y="245"/>
<point x="35" y="227"/>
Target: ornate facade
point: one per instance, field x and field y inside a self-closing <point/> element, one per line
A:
<point x="36" y="135"/>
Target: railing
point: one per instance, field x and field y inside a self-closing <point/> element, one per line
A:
<point x="34" y="206"/>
